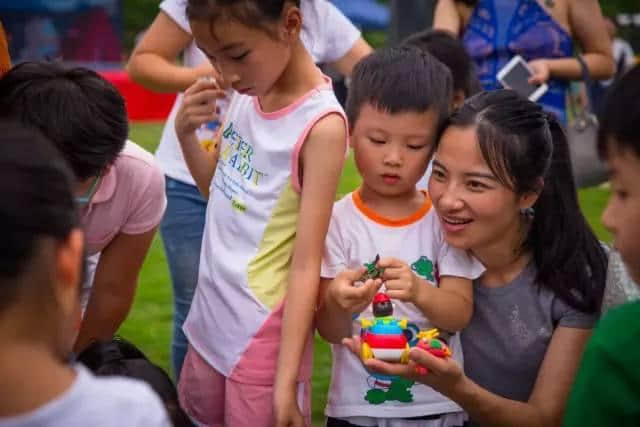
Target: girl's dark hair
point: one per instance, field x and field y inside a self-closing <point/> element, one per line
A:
<point x="452" y="53"/>
<point x="620" y="114"/>
<point x="527" y="151"/>
<point x="37" y="201"/>
<point x="80" y="112"/>
<point x="120" y="357"/>
<point x="397" y="80"/>
<point x="253" y="13"/>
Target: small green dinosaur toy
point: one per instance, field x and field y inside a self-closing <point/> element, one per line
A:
<point x="373" y="271"/>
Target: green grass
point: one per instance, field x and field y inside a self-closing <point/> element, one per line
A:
<point x="149" y="323"/>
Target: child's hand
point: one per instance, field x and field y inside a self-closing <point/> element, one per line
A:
<point x="401" y="283"/>
<point x="343" y="292"/>
<point x="285" y="409"/>
<point x="198" y="106"/>
<point x="443" y="375"/>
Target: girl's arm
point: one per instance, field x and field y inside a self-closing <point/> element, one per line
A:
<point x="588" y="28"/>
<point x="546" y="404"/>
<point x="198" y="107"/>
<point x="152" y="63"/>
<point x="322" y="158"/>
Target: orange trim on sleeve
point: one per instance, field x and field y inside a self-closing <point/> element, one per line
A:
<point x="390" y="222"/>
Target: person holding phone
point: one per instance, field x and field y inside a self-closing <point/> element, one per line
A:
<point x="543" y="32"/>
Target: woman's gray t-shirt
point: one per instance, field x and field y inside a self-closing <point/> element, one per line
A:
<point x="505" y="342"/>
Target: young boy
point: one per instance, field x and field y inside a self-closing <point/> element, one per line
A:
<point x="607" y="388"/>
<point x="397" y="99"/>
<point x="41" y="259"/>
<point x="119" y="189"/>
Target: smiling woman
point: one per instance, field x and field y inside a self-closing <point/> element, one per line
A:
<point x="503" y="189"/>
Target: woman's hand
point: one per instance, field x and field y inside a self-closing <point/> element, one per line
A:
<point x="399" y="280"/>
<point x="443" y="375"/>
<point x="198" y="106"/>
<point x="541" y="71"/>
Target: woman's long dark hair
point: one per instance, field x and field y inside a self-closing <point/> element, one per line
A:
<point x="528" y="151"/>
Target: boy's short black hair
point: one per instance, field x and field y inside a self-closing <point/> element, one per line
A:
<point x="620" y="115"/>
<point x="120" y="357"/>
<point x="79" y="111"/>
<point x="452" y="53"/>
<point x="399" y="79"/>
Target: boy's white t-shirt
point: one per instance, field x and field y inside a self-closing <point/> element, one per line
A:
<point x="98" y="402"/>
<point x="327" y="34"/>
<point x="356" y="235"/>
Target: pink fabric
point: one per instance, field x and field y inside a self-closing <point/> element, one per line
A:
<point x="129" y="200"/>
<point x="259" y="361"/>
<point x="273" y="115"/>
<point x="213" y="400"/>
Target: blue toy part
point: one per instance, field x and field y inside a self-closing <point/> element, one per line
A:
<point x="386" y="327"/>
<point x="411" y="333"/>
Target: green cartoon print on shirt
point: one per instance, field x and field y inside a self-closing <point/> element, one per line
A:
<point x="388" y="390"/>
<point x="424" y="267"/>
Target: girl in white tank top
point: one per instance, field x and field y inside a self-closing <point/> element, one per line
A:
<point x="272" y="178"/>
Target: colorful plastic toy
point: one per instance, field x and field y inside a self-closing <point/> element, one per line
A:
<point x="383" y="337"/>
<point x="428" y="341"/>
<point x="373" y="271"/>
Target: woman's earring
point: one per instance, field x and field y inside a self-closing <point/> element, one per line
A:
<point x="528" y="213"/>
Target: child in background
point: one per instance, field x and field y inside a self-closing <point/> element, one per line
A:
<point x="119" y="357"/>
<point x="397" y="100"/>
<point x="41" y="262"/>
<point x="277" y="165"/>
<point x="119" y="189"/>
<point x="452" y="53"/>
<point x="607" y="387"/>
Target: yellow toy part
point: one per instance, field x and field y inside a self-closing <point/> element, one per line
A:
<point x="405" y="355"/>
<point x="429" y="334"/>
<point x="366" y="323"/>
<point x="402" y="323"/>
<point x="365" y="352"/>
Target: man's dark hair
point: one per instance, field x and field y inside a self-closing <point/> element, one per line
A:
<point x="397" y="80"/>
<point x="620" y="114"/>
<point x="452" y="53"/>
<point x="75" y="108"/>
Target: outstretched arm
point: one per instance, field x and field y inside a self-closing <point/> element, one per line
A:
<point x="152" y="63"/>
<point x="545" y="406"/>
